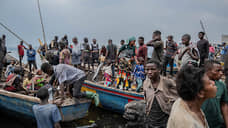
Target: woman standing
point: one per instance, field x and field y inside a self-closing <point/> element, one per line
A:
<point x="193" y="87"/>
<point x="76" y="53"/>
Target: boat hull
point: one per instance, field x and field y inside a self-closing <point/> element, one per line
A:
<point x="110" y="98"/>
<point x="22" y="105"/>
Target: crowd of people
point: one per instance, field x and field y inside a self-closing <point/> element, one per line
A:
<point x="194" y="97"/>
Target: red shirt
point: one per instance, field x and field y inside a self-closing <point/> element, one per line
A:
<point x="21" y="50"/>
<point x="142" y="51"/>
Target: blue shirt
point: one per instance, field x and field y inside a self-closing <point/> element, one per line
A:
<point x="139" y="72"/>
<point x="31" y="55"/>
<point x="46" y="115"/>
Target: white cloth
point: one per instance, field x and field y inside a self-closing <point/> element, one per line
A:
<point x="108" y="69"/>
<point x="150" y="51"/>
<point x="67" y="74"/>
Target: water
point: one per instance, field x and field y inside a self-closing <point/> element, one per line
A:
<point x="103" y="119"/>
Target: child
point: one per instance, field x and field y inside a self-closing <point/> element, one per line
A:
<point x="47" y="115"/>
<point x="39" y="80"/>
<point x="10" y="69"/>
<point x="139" y="73"/>
<point x="27" y="83"/>
<point x="107" y="74"/>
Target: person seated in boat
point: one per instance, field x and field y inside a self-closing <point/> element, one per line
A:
<point x="38" y="80"/>
<point x="65" y="55"/>
<point x="14" y="84"/>
<point x="107" y="69"/>
<point x="47" y="115"/>
<point x="159" y="93"/>
<point x="139" y="73"/>
<point x="71" y="78"/>
<point x="10" y="68"/>
<point x="27" y="83"/>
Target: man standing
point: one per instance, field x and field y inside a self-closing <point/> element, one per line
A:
<point x="203" y="46"/>
<point x="95" y="53"/>
<point x="111" y="55"/>
<point x="31" y="56"/>
<point x="86" y="53"/>
<point x="2" y="54"/>
<point x="21" y="48"/>
<point x="70" y="78"/>
<point x="142" y="50"/>
<point x="188" y="55"/>
<point x="171" y="51"/>
<point x="54" y="43"/>
<point x="47" y="115"/>
<point x="157" y="44"/>
<point x="216" y="109"/>
<point x="159" y="93"/>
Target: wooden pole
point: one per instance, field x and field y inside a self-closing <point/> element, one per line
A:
<point x="13" y="33"/>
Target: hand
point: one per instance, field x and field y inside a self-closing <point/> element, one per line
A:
<point x="172" y="57"/>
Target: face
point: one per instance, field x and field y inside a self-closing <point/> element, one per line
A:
<point x="185" y="40"/>
<point x="75" y="41"/>
<point x="216" y="72"/>
<point x="132" y="43"/>
<point x="21" y="43"/>
<point x="122" y="42"/>
<point x="86" y="40"/>
<point x="209" y="90"/>
<point x="169" y="38"/>
<point x="50" y="71"/>
<point x="109" y="42"/>
<point x="94" y="41"/>
<point x="200" y="35"/>
<point x="155" y="36"/>
<point x="141" y="42"/>
<point x="152" y="71"/>
<point x="30" y="46"/>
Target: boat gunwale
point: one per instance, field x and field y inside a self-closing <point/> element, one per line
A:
<point x="33" y="99"/>
<point x="114" y="89"/>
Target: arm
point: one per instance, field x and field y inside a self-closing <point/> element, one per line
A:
<point x="150" y="43"/>
<point x="194" y="54"/>
<point x="158" y="44"/>
<point x="145" y="59"/>
<point x="224" y="109"/>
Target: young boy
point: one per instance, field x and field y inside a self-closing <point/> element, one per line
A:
<point x="47" y="115"/>
<point x="139" y="73"/>
<point x="188" y="55"/>
<point x="69" y="76"/>
<point x="216" y="109"/>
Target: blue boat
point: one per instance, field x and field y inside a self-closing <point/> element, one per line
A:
<point x="22" y="105"/>
<point x="111" y="98"/>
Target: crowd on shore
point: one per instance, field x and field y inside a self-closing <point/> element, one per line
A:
<point x="194" y="98"/>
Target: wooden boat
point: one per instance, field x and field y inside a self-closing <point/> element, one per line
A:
<point x="111" y="98"/>
<point x="22" y="105"/>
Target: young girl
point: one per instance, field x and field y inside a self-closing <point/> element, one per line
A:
<point x="139" y="73"/>
<point x="107" y="73"/>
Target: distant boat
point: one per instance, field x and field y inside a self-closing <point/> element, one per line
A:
<point x="111" y="98"/>
<point x="20" y="104"/>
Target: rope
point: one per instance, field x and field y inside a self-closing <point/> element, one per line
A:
<point x="41" y="21"/>
<point x="13" y="33"/>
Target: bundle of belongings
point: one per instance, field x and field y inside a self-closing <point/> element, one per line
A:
<point x="135" y="113"/>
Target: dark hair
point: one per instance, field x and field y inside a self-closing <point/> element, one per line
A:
<point x="170" y="36"/>
<point x="45" y="67"/>
<point x="158" y="65"/>
<point x="187" y="35"/>
<point x="209" y="64"/>
<point x="157" y="32"/>
<point x="141" y="38"/>
<point x="189" y="82"/>
<point x="122" y="41"/>
<point x="42" y="93"/>
<point x="203" y="33"/>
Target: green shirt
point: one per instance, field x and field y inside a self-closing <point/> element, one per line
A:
<point x="212" y="109"/>
<point x="129" y="51"/>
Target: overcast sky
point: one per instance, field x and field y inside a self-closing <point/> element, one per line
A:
<point x="116" y="19"/>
